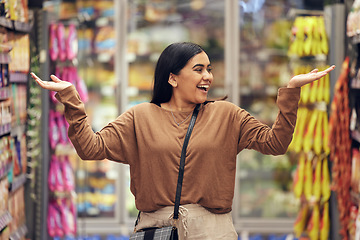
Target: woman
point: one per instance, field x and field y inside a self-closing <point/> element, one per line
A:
<point x="149" y="138"/>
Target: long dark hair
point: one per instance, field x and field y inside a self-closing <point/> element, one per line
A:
<point x="172" y="60"/>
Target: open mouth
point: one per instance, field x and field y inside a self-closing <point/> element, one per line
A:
<point x="204" y="87"/>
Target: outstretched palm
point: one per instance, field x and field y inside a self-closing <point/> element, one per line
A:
<point x="55" y="85"/>
<point x="302" y="79"/>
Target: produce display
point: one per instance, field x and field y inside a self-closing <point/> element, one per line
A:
<point x="310" y="146"/>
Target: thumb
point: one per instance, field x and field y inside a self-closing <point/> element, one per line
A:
<point x="55" y="78"/>
<point x="314" y="70"/>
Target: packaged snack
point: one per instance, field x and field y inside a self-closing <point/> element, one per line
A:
<point x="61" y="41"/>
<point x="54" y="45"/>
<point x="54" y="135"/>
<point x="325" y="223"/>
<point x="71" y="43"/>
<point x="313" y="226"/>
<point x="68" y="174"/>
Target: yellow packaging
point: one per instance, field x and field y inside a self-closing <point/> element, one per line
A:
<point x="318" y="138"/>
<point x="300" y="222"/>
<point x="310" y="131"/>
<point x="299" y="177"/>
<point x="325" y="223"/>
<point x="327" y="88"/>
<point x="297" y="34"/>
<point x="313" y="226"/>
<point x="323" y="36"/>
<point x="298" y="145"/>
<point x="320" y="91"/>
<point x="308" y="180"/>
<point x="305" y="90"/>
<point x="313" y="91"/>
<point x="298" y="128"/>
<point x="308" y="35"/>
<point x="317" y="180"/>
<point x="316" y="46"/>
<point x="325" y="180"/>
<point x="325" y="134"/>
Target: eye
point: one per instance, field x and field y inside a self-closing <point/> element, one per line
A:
<point x="209" y="70"/>
<point x="198" y="70"/>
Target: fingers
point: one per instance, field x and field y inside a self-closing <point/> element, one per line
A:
<point x="33" y="75"/>
<point x="329" y="69"/>
<point x="37" y="79"/>
<point x="315" y="70"/>
<point x="326" y="71"/>
<point x="54" y="78"/>
<point x="43" y="84"/>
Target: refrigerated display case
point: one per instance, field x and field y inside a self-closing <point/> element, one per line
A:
<point x="264" y="201"/>
<point x="247" y="45"/>
<point x="123" y="78"/>
<point x="98" y="182"/>
<point x="153" y="25"/>
<point x="264" y="32"/>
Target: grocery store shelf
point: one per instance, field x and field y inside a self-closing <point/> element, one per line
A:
<point x="4" y="58"/>
<point x="4" y="170"/>
<point x="5" y="129"/>
<point x="5" y="22"/>
<point x="18" y="182"/>
<point x="16" y="25"/>
<point x="16" y="77"/>
<point x="5" y="93"/>
<point x="5" y="219"/>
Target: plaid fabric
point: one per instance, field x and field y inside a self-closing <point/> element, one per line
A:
<point x="163" y="233"/>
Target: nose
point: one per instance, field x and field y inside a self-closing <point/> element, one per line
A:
<point x="207" y="76"/>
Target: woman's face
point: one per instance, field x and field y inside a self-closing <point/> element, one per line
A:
<point x="194" y="80"/>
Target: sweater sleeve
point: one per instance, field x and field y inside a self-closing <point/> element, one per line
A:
<point x="108" y="143"/>
<point x="276" y="139"/>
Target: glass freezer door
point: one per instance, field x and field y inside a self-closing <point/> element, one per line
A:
<point x="97" y="185"/>
<point x="152" y="26"/>
<point x="264" y="200"/>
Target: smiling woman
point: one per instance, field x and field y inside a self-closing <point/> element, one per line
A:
<point x="149" y="137"/>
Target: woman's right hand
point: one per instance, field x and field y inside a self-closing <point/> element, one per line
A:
<point x="55" y="85"/>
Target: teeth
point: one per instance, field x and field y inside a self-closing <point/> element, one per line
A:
<point x="204" y="86"/>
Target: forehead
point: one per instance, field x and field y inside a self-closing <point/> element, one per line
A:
<point x="200" y="58"/>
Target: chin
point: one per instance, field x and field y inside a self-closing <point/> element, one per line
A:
<point x="200" y="100"/>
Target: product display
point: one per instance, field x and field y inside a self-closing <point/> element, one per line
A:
<point x="62" y="211"/>
<point x="264" y="68"/>
<point x="293" y="189"/>
<point x="310" y="145"/>
<point x="308" y="37"/>
<point x="14" y="67"/>
<point x="340" y="146"/>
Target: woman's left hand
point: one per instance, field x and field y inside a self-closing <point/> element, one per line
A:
<point x="302" y="79"/>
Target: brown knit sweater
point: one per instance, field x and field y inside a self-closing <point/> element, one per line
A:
<point x="147" y="138"/>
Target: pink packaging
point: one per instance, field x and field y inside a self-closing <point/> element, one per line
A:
<point x="54" y="45"/>
<point x="63" y="138"/>
<point x="68" y="174"/>
<point x="54" y="136"/>
<point x="68" y="219"/>
<point x="71" y="43"/>
<point x="61" y="41"/>
<point x="80" y="85"/>
<point x="52" y="176"/>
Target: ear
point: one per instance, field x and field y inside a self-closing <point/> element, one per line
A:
<point x="172" y="80"/>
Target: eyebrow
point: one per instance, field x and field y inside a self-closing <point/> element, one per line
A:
<point x="200" y="65"/>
